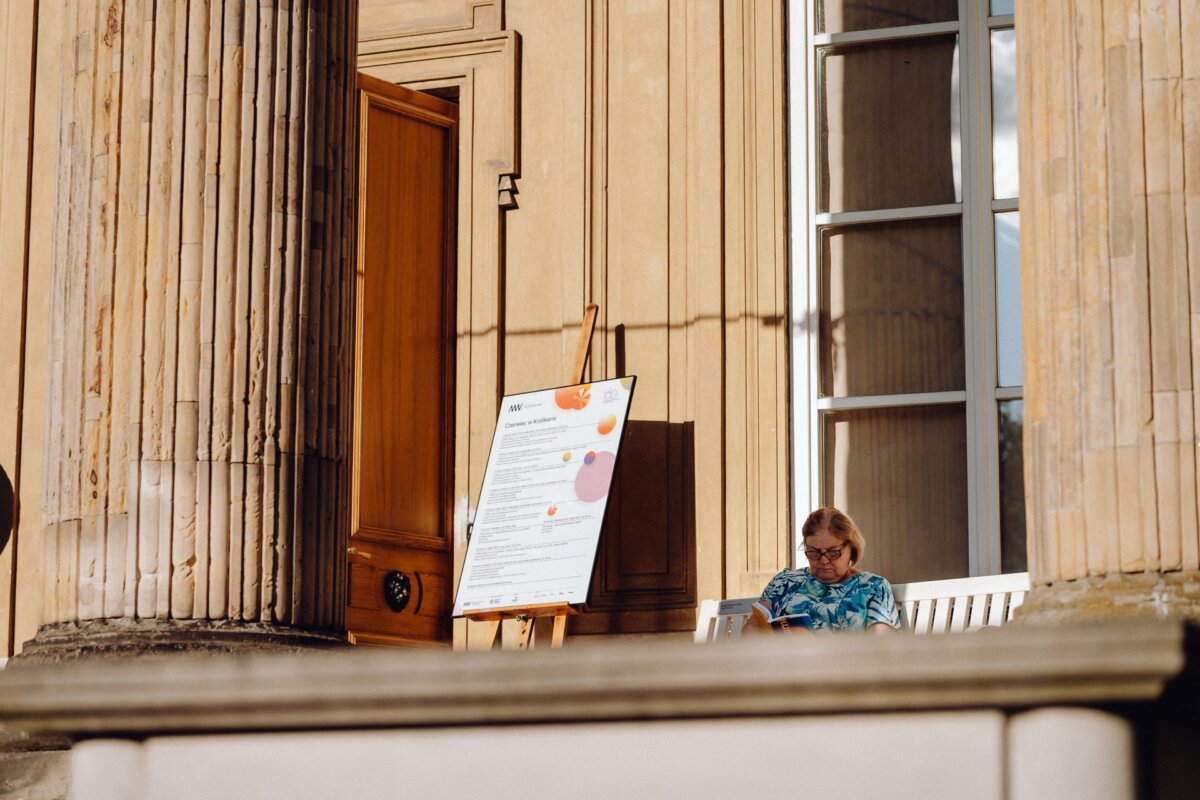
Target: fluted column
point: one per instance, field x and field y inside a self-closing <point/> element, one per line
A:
<point x="1109" y="105"/>
<point x="203" y="262"/>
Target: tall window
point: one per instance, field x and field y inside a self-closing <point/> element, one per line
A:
<point x="907" y="379"/>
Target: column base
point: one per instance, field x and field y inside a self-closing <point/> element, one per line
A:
<point x="1148" y="594"/>
<point x="126" y="638"/>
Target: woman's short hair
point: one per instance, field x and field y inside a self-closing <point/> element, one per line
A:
<point x="840" y="525"/>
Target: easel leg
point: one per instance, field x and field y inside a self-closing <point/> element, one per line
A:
<point x="515" y="633"/>
<point x="551" y="630"/>
<point x="481" y="635"/>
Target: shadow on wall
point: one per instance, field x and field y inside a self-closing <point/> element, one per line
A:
<point x="7" y="508"/>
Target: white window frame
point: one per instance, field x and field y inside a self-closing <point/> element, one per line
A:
<point x="977" y="209"/>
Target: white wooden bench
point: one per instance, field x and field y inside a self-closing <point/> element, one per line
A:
<point x="952" y="606"/>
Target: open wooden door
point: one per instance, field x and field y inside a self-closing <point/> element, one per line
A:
<point x="400" y="550"/>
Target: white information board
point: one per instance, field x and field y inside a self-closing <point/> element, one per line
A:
<point x="542" y="505"/>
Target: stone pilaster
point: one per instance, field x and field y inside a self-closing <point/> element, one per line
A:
<point x="199" y="345"/>
<point x="1109" y="110"/>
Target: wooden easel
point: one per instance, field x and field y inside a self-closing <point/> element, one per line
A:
<point x="520" y="626"/>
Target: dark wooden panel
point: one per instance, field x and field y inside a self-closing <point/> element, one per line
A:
<point x="402" y="346"/>
<point x="645" y="575"/>
<point x="426" y="617"/>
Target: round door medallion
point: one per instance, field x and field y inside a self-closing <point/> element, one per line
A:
<point x="397" y="589"/>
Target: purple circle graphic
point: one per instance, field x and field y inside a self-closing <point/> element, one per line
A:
<point x="593" y="478"/>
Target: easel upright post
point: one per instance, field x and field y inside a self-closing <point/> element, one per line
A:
<point x="585" y="343"/>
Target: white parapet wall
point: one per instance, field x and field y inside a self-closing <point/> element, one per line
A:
<point x="961" y="753"/>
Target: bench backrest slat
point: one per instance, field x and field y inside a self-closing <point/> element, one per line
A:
<point x="950" y="606"/>
<point x="978" y="613"/>
<point x="1014" y="602"/>
<point x="997" y="609"/>
<point x="958" y="616"/>
<point x="941" y="614"/>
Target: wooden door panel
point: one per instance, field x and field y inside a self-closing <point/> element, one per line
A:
<point x="402" y="303"/>
<point x="425" y="618"/>
<point x="403" y="445"/>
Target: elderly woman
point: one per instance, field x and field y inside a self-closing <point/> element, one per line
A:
<point x="830" y="593"/>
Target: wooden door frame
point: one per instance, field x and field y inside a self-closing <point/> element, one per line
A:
<point x="480" y="65"/>
<point x="414" y="108"/>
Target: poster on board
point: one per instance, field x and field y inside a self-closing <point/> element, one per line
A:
<point x="537" y="524"/>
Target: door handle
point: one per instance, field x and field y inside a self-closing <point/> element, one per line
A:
<point x="354" y="551"/>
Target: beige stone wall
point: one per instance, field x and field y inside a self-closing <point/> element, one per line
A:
<point x="650" y="179"/>
<point x="753" y="462"/>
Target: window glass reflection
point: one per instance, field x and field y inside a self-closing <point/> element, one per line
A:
<point x="1004" y="113"/>
<point x="1001" y="7"/>
<point x="891" y="309"/>
<point x="901" y="473"/>
<point x="1009" y="340"/>
<point x="835" y="16"/>
<point x="1012" y="487"/>
<point x="887" y="129"/>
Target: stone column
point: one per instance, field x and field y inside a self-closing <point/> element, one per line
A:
<point x="1060" y="751"/>
<point x="1109" y="109"/>
<point x="200" y="340"/>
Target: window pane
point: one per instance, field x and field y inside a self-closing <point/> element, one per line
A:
<point x="902" y="475"/>
<point x="891" y="313"/>
<point x="1001" y="7"/>
<point x="835" y="16"/>
<point x="1004" y="113"/>
<point x="1009" y="346"/>
<point x="887" y="128"/>
<point x="1012" y="487"/>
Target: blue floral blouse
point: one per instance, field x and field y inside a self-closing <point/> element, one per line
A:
<point x="854" y="604"/>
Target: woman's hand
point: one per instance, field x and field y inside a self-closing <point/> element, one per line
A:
<point x="756" y="626"/>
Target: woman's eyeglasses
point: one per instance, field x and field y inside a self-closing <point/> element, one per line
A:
<point x="831" y="555"/>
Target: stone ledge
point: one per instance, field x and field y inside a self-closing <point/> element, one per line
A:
<point x="1011" y="667"/>
<point x="40" y="775"/>
<point x="34" y="766"/>
<point x="133" y="638"/>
